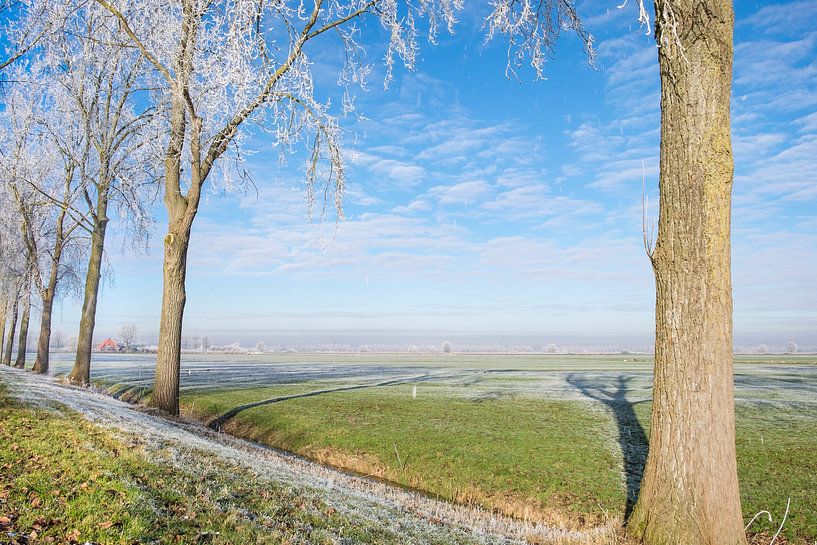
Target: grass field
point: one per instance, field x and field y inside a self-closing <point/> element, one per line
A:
<point x="64" y="480"/>
<point x="557" y="439"/>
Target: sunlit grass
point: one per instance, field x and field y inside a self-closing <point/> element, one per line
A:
<point x="64" y="480"/>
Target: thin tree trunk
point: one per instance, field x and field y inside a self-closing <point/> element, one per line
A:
<point x="22" y="342"/>
<point x="168" y="359"/>
<point x="15" y="307"/>
<point x="44" y="341"/>
<point x="689" y="493"/>
<point x="81" y="373"/>
<point x="4" y="306"/>
<point x="41" y="362"/>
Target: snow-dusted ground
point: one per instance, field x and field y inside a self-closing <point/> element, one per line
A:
<point x="416" y="518"/>
<point x="552" y="377"/>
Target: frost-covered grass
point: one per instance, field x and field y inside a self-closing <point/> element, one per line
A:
<point x="516" y="462"/>
<point x="369" y="511"/>
<point x="527" y="457"/>
<point x="552" y="460"/>
<point x="64" y="480"/>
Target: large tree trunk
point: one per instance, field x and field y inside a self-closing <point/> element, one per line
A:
<point x="181" y="211"/>
<point x="15" y="307"/>
<point x="168" y="359"/>
<point x="81" y="373"/>
<point x="689" y="493"/>
<point x="22" y="342"/>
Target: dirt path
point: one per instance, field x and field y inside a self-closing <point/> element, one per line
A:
<point x="419" y="518"/>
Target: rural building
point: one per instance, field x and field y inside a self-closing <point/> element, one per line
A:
<point x="108" y="345"/>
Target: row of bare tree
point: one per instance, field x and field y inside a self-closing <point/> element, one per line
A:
<point x="74" y="151"/>
<point x="104" y="97"/>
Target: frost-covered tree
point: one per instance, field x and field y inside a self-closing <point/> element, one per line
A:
<point x="100" y="86"/>
<point x="791" y="347"/>
<point x="689" y="493"/>
<point x="23" y="24"/>
<point x="221" y="65"/>
<point x="41" y="168"/>
<point x="81" y="83"/>
<point x="23" y="222"/>
<point x="127" y="334"/>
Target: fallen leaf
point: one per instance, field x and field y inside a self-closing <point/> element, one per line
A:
<point x="105" y="525"/>
<point x="5" y="521"/>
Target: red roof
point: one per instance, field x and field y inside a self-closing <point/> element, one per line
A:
<point x="108" y="345"/>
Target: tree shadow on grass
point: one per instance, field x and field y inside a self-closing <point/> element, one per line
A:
<point x="631" y="436"/>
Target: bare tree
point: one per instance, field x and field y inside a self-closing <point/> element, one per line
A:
<point x="39" y="167"/>
<point x="791" y="347"/>
<point x="222" y="65"/>
<point x="92" y="123"/>
<point x="7" y="349"/>
<point x="58" y="340"/>
<point x="127" y="333"/>
<point x="689" y="493"/>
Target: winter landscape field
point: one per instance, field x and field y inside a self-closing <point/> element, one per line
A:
<point x="552" y="439"/>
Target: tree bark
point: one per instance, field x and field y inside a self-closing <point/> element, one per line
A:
<point x="81" y="372"/>
<point x="15" y="307"/>
<point x="4" y="307"/>
<point x="22" y="342"/>
<point x="168" y="359"/>
<point x="41" y="362"/>
<point x="689" y="493"/>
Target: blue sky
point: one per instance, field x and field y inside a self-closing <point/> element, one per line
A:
<point x="483" y="208"/>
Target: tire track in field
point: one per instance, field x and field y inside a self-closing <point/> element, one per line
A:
<point x="220" y="421"/>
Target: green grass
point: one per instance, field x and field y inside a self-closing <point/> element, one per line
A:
<point x="776" y="448"/>
<point x="777" y="459"/>
<point x="528" y="457"/>
<point x="549" y="460"/>
<point x="63" y="480"/>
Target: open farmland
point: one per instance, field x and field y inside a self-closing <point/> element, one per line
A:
<point x="556" y="439"/>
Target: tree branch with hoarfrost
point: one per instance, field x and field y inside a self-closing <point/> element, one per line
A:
<point x="531" y="29"/>
<point x="219" y="66"/>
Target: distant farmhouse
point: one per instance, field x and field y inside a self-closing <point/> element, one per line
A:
<point x="108" y="345"/>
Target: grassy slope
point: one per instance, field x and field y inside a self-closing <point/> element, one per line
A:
<point x="63" y="480"/>
<point x="528" y="457"/>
